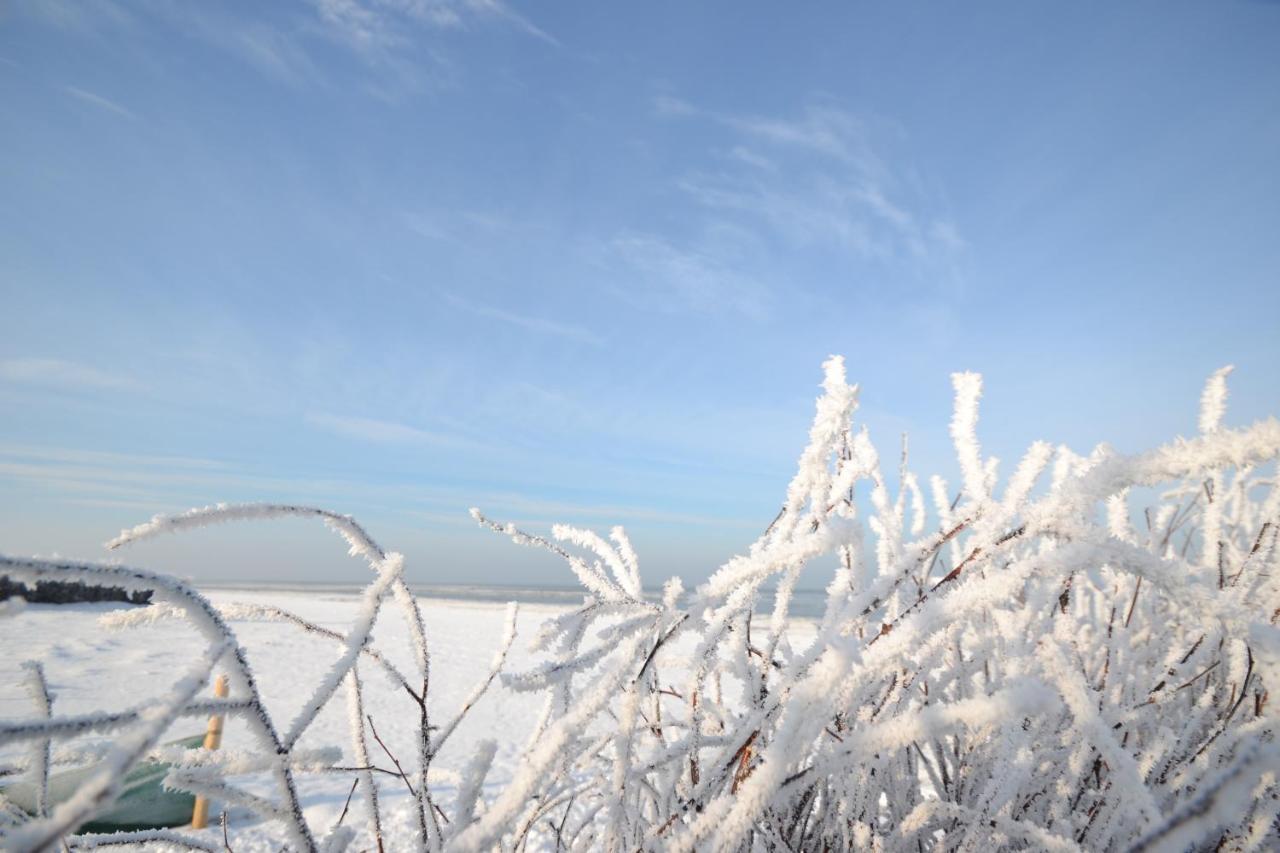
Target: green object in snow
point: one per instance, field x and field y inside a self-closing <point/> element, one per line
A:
<point x="143" y="802"/>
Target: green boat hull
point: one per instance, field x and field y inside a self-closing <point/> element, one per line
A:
<point x="143" y="802"/>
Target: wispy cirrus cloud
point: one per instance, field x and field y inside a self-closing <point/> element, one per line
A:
<point x="669" y="105"/>
<point x="819" y="129"/>
<point x="399" y="44"/>
<point x="376" y="26"/>
<point x="278" y="53"/>
<point x="98" y="101"/>
<point x="77" y="15"/>
<point x="457" y="226"/>
<point x="817" y="176"/>
<point x="67" y="375"/>
<point x="156" y="484"/>
<point x="78" y="456"/>
<point x="529" y="322"/>
<point x="383" y="432"/>
<point x="767" y="187"/>
<point x="676" y="278"/>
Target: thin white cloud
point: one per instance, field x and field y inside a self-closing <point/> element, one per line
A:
<point x="98" y="101"/>
<point x="363" y="28"/>
<point x="382" y="432"/>
<point x="77" y="15"/>
<point x="817" y="177"/>
<point x="456" y="226"/>
<point x="396" y="40"/>
<point x="497" y="9"/>
<point x="675" y="279"/>
<point x="426" y="226"/>
<point x="820" y="212"/>
<point x="117" y="480"/>
<point x="104" y="475"/>
<point x="540" y="325"/>
<point x="273" y="52"/>
<point x="667" y="105"/>
<point x="141" y="505"/>
<point x="530" y="510"/>
<point x="946" y="233"/>
<point x="162" y="489"/>
<point x="56" y="373"/>
<point x="824" y="131"/>
<point x="29" y="452"/>
<point x="376" y="28"/>
<point x="750" y="157"/>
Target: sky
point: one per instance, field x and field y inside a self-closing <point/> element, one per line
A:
<point x="582" y="262"/>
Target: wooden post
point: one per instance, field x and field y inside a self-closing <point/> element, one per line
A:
<point x="212" y="740"/>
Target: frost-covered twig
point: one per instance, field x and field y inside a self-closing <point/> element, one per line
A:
<point x="38" y="688"/>
<point x="141" y="838"/>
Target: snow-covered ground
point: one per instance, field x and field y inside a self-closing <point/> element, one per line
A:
<point x="91" y="668"/>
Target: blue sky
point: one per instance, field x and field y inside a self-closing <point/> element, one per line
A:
<point x="582" y="262"/>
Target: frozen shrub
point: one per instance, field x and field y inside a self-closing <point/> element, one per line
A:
<point x="1047" y="663"/>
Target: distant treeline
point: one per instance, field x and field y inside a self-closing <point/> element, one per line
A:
<point x="69" y="592"/>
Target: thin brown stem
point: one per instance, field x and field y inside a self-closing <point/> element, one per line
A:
<point x="394" y="760"/>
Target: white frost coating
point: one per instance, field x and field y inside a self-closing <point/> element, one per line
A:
<point x="1025" y="477"/>
<point x="964" y="433"/>
<point x="593" y="542"/>
<point x="472" y="785"/>
<point x="144" y="839"/>
<point x="389" y="571"/>
<point x="345" y="526"/>
<point x="338" y="840"/>
<point x="830" y="427"/>
<point x="629" y="559"/>
<point x="590" y="576"/>
<point x="38" y="690"/>
<point x="1214" y="806"/>
<point x="547" y="753"/>
<point x="360" y="750"/>
<point x="912" y="485"/>
<point x="138" y="617"/>
<point x="1213" y="400"/>
<point x="237" y="762"/>
<point x="1118" y="517"/>
<point x="932" y="812"/>
<point x="212" y="784"/>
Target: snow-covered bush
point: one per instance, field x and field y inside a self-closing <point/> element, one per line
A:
<point x="1051" y="663"/>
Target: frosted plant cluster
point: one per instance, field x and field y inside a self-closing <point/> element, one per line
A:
<point x="1077" y="657"/>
